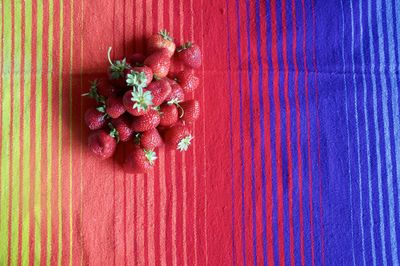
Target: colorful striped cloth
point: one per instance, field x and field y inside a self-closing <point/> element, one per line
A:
<point x="296" y="156"/>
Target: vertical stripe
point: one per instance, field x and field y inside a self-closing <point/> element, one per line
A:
<point x="15" y="133"/>
<point x="371" y="217"/>
<point x="262" y="132"/>
<point x="81" y="134"/>
<point x="173" y="229"/>
<point x="377" y="137"/>
<point x="298" y="133"/>
<point x="347" y="133"/>
<point x="387" y="145"/>
<point x="49" y="129"/>
<point x="71" y="38"/>
<point x="394" y="84"/>
<point x="253" y="175"/>
<point x="230" y="87"/>
<point x="27" y="16"/>
<point x="163" y="210"/>
<point x="241" y="136"/>
<point x="357" y="134"/>
<point x="140" y="218"/>
<point x="38" y="131"/>
<point x="60" y="130"/>
<point x="288" y="130"/>
<point x="278" y="144"/>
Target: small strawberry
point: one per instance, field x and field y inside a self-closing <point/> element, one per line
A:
<point x="123" y="126"/>
<point x="115" y="107"/>
<point x="106" y="89"/>
<point x="137" y="101"/>
<point x="159" y="41"/>
<point x="117" y="71"/>
<point x="160" y="89"/>
<point x="159" y="62"/>
<point x="190" y="111"/>
<point x="168" y="114"/>
<point x="139" y="161"/>
<point x="102" y="144"/>
<point x="190" y="55"/>
<point x="95" y="118"/>
<point x="178" y="137"/>
<point x="151" y="139"/>
<point x="147" y="71"/>
<point x="136" y="59"/>
<point x="145" y="122"/>
<point x="188" y="80"/>
<point x="177" y="95"/>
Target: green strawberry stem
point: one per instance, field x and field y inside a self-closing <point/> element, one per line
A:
<point x="165" y="35"/>
<point x="93" y="92"/>
<point x="180" y="108"/>
<point x="184" y="46"/>
<point x="117" y="68"/>
<point x="113" y="132"/>
<point x="184" y="143"/>
<point x="151" y="156"/>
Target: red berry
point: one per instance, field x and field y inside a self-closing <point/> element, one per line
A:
<point x="146" y="122"/>
<point x="139" y="161"/>
<point x="102" y="144"/>
<point x="115" y="107"/>
<point x="160" y="89"/>
<point x="147" y="71"/>
<point x="137" y="102"/>
<point x="168" y="114"/>
<point x="159" y="62"/>
<point x="123" y="126"/>
<point x="136" y="59"/>
<point x="191" y="111"/>
<point x="190" y="55"/>
<point x="177" y="95"/>
<point x="106" y="89"/>
<point x="94" y="118"/>
<point x="159" y="41"/>
<point x="178" y="137"/>
<point x="151" y="139"/>
<point x="188" y="80"/>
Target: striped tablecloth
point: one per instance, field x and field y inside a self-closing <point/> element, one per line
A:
<point x="296" y="155"/>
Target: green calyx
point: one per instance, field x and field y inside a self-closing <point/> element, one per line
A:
<point x="117" y="68"/>
<point x="113" y="132"/>
<point x="151" y="156"/>
<point x="142" y="99"/>
<point x="184" y="143"/>
<point x="93" y="92"/>
<point x="136" y="79"/>
<point x="165" y="35"/>
<point x="185" y="46"/>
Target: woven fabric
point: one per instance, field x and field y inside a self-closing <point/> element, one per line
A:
<point x="295" y="158"/>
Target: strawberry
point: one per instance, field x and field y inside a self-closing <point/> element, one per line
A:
<point x="106" y="89"/>
<point x="160" y="89"/>
<point x="115" y="107"/>
<point x="159" y="41"/>
<point x="147" y="71"/>
<point x="159" y="62"/>
<point x="190" y="55"/>
<point x="151" y="139"/>
<point x="138" y="100"/>
<point x="117" y="71"/>
<point x="168" y="114"/>
<point x="190" y="111"/>
<point x="123" y="126"/>
<point x="139" y="161"/>
<point x="188" y="80"/>
<point x="102" y="144"/>
<point x="149" y="120"/>
<point x="136" y="59"/>
<point x="95" y="118"/>
<point x="178" y="137"/>
<point x="177" y="95"/>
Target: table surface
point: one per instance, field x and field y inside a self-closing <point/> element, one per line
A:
<point x="296" y="154"/>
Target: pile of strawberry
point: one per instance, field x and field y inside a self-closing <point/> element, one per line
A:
<point x="145" y="103"/>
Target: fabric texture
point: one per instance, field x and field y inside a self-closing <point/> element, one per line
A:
<point x="296" y="154"/>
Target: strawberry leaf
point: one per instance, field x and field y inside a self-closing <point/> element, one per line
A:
<point x="142" y="100"/>
<point x="184" y="144"/>
<point x="118" y="67"/>
<point x="165" y="35"/>
<point x="151" y="156"/>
